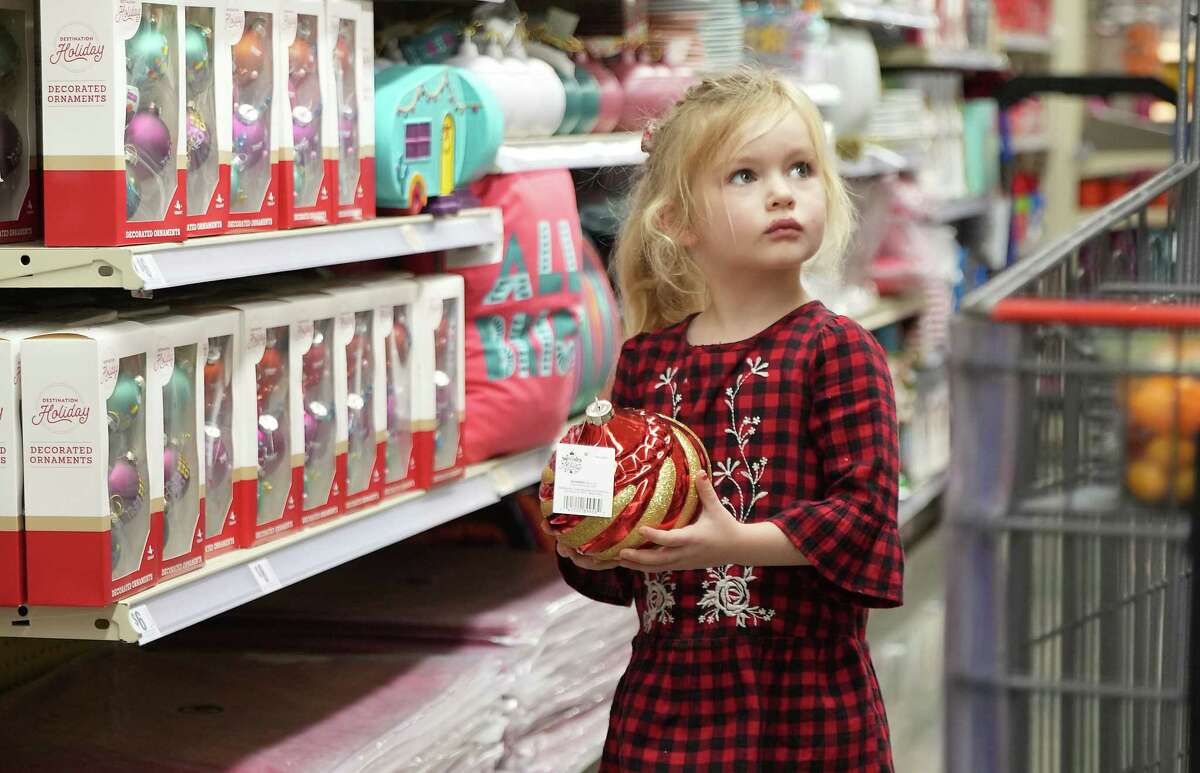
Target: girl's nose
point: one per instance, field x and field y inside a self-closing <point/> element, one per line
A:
<point x="780" y="196"/>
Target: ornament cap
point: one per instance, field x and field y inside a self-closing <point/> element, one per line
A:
<point x="600" y="412"/>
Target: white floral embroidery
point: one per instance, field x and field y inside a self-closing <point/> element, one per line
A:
<point x="660" y="600"/>
<point x="727" y="594"/>
<point x="667" y="379"/>
<point x="660" y="586"/>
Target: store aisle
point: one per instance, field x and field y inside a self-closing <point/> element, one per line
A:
<point x="906" y="644"/>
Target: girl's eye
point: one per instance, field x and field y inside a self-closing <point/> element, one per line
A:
<point x="802" y="169"/>
<point x="741" y="177"/>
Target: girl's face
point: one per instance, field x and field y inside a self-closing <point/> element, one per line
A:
<point x="763" y="209"/>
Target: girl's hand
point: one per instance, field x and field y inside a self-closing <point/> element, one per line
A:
<point x="575" y="557"/>
<point x="713" y="539"/>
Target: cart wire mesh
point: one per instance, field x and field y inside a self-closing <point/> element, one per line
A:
<point x="1076" y="397"/>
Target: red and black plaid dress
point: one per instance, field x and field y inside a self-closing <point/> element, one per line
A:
<point x="766" y="668"/>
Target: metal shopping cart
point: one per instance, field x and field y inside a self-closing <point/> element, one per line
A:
<point x="1071" y="634"/>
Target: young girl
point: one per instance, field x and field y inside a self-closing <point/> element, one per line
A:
<point x="752" y="654"/>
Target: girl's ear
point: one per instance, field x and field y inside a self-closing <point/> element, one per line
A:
<point x="671" y="224"/>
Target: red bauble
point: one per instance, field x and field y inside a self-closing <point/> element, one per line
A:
<point x="658" y="460"/>
<point x="250" y="54"/>
<point x="302" y="59"/>
<point x="214" y="379"/>
<point x="400" y="337"/>
<point x="316" y="360"/>
<point x="270" y="369"/>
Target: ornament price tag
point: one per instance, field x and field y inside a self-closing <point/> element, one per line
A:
<point x="143" y="622"/>
<point x="264" y="575"/>
<point x="146" y="267"/>
<point x="583" y="480"/>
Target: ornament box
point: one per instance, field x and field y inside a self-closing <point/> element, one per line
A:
<point x="364" y="323"/>
<point x="20" y="167"/>
<point x="352" y="44"/>
<point x="403" y="370"/>
<point x="321" y="447"/>
<point x="222" y="445"/>
<point x="208" y="82"/>
<point x="113" y="122"/>
<point x="268" y="455"/>
<point x="254" y="32"/>
<point x="179" y="346"/>
<point x="12" y="521"/>
<point x="307" y="120"/>
<point x="93" y="473"/>
<point x="441" y="393"/>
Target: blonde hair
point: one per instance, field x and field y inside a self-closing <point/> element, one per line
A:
<point x="659" y="282"/>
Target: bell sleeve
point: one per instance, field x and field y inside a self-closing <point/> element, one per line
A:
<point x="850" y="535"/>
<point x="610" y="586"/>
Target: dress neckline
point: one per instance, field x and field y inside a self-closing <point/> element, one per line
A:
<point x="800" y="310"/>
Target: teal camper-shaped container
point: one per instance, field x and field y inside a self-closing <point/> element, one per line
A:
<point x="436" y="128"/>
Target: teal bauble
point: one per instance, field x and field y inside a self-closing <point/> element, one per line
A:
<point x="147" y="53"/>
<point x="10" y="56"/>
<point x="125" y="403"/>
<point x="133" y="195"/>
<point x="199" y="59"/>
<point x="178" y="394"/>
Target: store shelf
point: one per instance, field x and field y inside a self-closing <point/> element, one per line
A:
<point x="1113" y="163"/>
<point x="956" y="210"/>
<point x="917" y="57"/>
<point x="890" y="310"/>
<point x="1029" y="143"/>
<point x="242" y="576"/>
<point x="1026" y="43"/>
<point x="883" y="15"/>
<point x="873" y="163"/>
<point x="580" y="151"/>
<point x="920" y="497"/>
<point x="159" y="266"/>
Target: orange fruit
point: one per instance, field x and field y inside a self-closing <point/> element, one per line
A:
<point x="1185" y="486"/>
<point x="1152" y="404"/>
<point x="1162" y="451"/>
<point x="1147" y="481"/>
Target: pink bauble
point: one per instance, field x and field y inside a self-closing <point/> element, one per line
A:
<point x="149" y="140"/>
<point x="306" y="130"/>
<point x="250" y="142"/>
<point x="175" y="474"/>
<point x="216" y="453"/>
<point x="123" y="480"/>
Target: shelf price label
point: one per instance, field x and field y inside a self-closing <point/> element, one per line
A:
<point x="143" y="622"/>
<point x="146" y="267"/>
<point x="264" y="574"/>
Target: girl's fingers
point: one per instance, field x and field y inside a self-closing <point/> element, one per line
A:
<point x="649" y="558"/>
<point x="708" y="496"/>
<point x="668" y="539"/>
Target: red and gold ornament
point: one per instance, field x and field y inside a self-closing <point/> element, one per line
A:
<point x="658" y="460"/>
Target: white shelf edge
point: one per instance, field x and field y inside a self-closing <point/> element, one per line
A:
<point x="874" y="14"/>
<point x="209" y="259"/>
<point x="228" y="581"/>
<point x="921" y="497"/>
<point x="943" y="59"/>
<point x="1111" y="163"/>
<point x="956" y="210"/>
<point x="1026" y="42"/>
<point x="1034" y="143"/>
<point x="889" y="311"/>
<point x="873" y="164"/>
<point x="578" y="151"/>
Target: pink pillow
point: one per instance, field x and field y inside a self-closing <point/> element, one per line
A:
<point x="522" y="329"/>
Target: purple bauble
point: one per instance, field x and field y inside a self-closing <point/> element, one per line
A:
<point x="250" y="145"/>
<point x="272" y="442"/>
<point x="176" y="474"/>
<point x="348" y="127"/>
<point x="216" y="457"/>
<point x="123" y="480"/>
<point x="199" y="140"/>
<point x="11" y="148"/>
<point x="306" y="131"/>
<point x="149" y="139"/>
<point x="311" y="428"/>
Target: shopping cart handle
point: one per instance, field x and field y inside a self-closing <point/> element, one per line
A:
<point x="1085" y="312"/>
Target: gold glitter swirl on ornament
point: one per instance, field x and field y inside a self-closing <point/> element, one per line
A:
<point x="656" y="510"/>
<point x="690" y="504"/>
<point x="590" y="528"/>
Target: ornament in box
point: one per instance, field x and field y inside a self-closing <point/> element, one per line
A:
<point x="437" y="127"/>
<point x="657" y="459"/>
